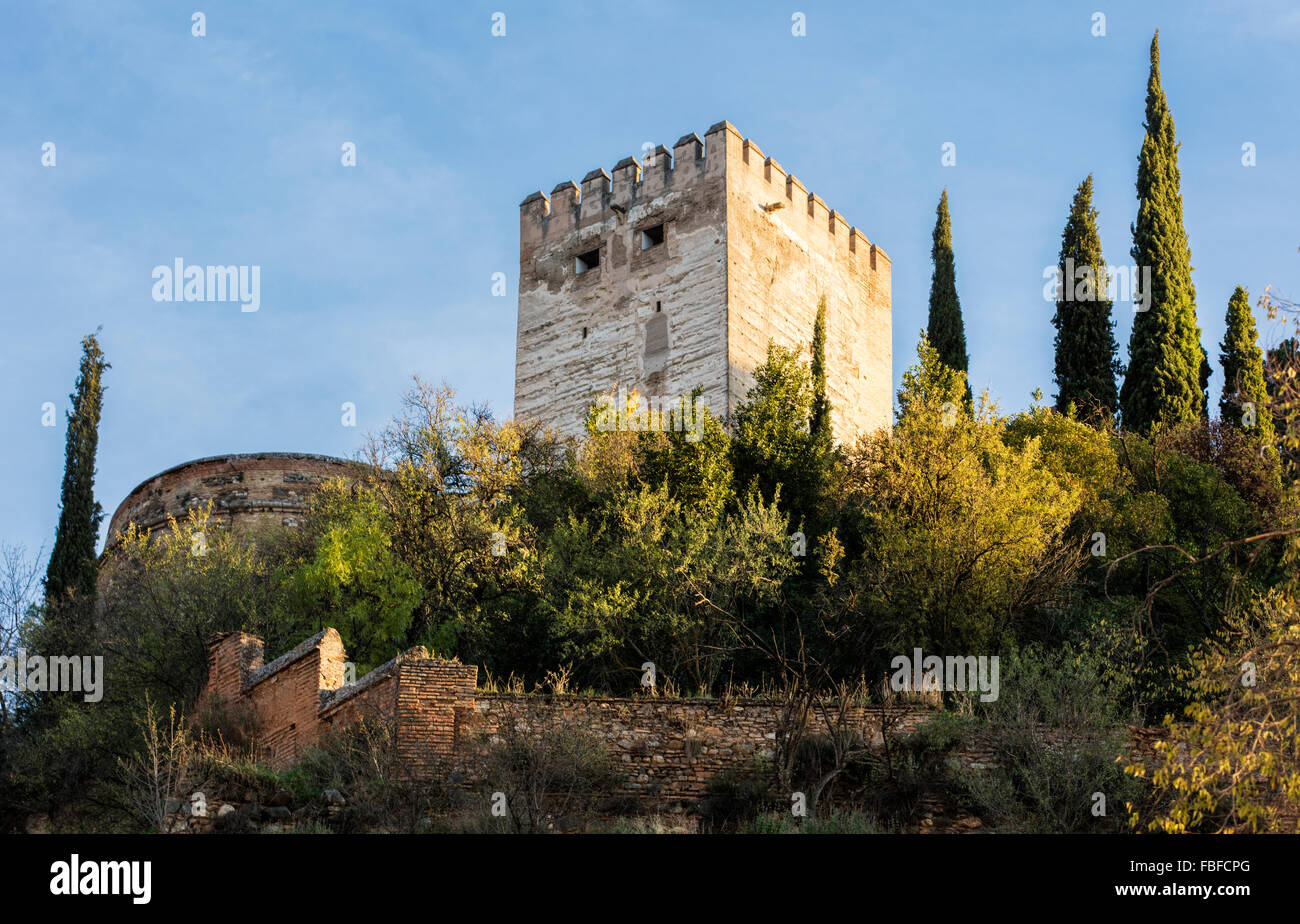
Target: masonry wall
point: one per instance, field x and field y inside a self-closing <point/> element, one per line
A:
<point x="301" y="696"/>
<point x="651" y="319"/>
<point x="284" y="696"/>
<point x="667" y="749"/>
<point x="247" y="490"/>
<point x="286" y="702"/>
<point x="747" y="253"/>
<point x="786" y="250"/>
<point x="231" y="659"/>
<point x="434" y="703"/>
<point x="375" y="698"/>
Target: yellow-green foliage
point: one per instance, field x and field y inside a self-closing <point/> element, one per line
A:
<point x="1234" y="764"/>
<point x="444" y="477"/>
<point x="963" y="530"/>
<point x="356" y="584"/>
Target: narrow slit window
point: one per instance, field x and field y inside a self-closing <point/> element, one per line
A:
<point x="586" y="261"/>
<point x="652" y="237"/>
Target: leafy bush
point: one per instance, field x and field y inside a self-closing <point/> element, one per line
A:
<point x="735" y="797"/>
<point x="361" y="762"/>
<point x="1209" y="775"/>
<point x="552" y="772"/>
<point x="1056" y="732"/>
<point x="233" y="724"/>
<point x="918" y="764"/>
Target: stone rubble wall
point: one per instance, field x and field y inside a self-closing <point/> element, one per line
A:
<point x="666" y="750"/>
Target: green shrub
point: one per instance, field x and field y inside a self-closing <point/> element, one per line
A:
<point x="382" y="793"/>
<point x="850" y="822"/>
<point x="234" y="725"/>
<point x="553" y="773"/>
<point x="736" y="797"/>
<point x="1055" y="733"/>
<point x="919" y="764"/>
<point x="223" y="775"/>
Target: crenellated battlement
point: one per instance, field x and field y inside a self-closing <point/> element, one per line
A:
<point x="602" y="196"/>
<point x="673" y="271"/>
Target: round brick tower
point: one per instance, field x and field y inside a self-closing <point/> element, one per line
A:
<point x="247" y="490"/>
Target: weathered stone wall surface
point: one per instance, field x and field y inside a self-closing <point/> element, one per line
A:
<point x="653" y="319"/>
<point x="746" y="254"/>
<point x="785" y="251"/>
<point x="666" y="749"/>
<point x="247" y="490"/>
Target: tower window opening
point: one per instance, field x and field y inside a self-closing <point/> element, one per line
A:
<point x="651" y="237"/>
<point x="586" y="261"/>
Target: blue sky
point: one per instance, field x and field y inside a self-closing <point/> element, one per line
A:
<point x="225" y="149"/>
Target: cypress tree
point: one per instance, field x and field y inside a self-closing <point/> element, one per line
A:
<point x="819" y="422"/>
<point x="72" y="562"/>
<point x="1169" y="370"/>
<point x="946" y="331"/>
<point x="1243" y="369"/>
<point x="1086" y="363"/>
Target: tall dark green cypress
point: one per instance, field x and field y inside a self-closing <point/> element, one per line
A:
<point x="946" y="331"/>
<point x="819" y="422"/>
<point x="72" y="564"/>
<point x="1168" y="370"/>
<point x="1086" y="351"/>
<point x="1243" y="370"/>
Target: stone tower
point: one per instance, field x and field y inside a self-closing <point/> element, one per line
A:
<point x="677" y="275"/>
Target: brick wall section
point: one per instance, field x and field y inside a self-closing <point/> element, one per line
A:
<point x="288" y="694"/>
<point x="300" y="696"/>
<point x="373" y="697"/>
<point x="231" y="659"/>
<point x="666" y="749"/>
<point x="434" y="702"/>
